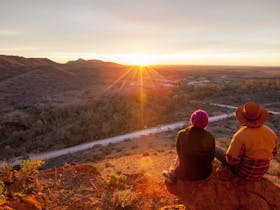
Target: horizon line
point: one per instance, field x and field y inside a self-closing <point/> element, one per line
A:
<point x="64" y="61"/>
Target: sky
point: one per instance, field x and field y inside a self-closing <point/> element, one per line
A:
<point x="203" y="32"/>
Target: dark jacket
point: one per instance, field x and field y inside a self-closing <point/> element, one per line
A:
<point x="195" y="149"/>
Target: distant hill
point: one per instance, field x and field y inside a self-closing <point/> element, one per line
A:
<point x="90" y="63"/>
<point x="14" y="65"/>
<point x="26" y="81"/>
<point x="13" y="61"/>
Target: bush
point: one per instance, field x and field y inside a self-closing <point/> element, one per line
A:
<point x="2" y="190"/>
<point x="38" y="127"/>
<point x="116" y="181"/>
<point x="17" y="183"/>
<point x="123" y="199"/>
<point x="30" y="167"/>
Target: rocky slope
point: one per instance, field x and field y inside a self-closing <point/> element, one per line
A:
<point x="134" y="181"/>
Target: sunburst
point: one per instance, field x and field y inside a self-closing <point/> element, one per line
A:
<point x="139" y="75"/>
<point x="140" y="59"/>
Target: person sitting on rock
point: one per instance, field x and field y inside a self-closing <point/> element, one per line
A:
<point x="253" y="145"/>
<point x="195" y="151"/>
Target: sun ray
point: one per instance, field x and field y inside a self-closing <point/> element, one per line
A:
<point x="151" y="79"/>
<point x="134" y="74"/>
<point x="117" y="80"/>
<point x="155" y="72"/>
<point x="123" y="84"/>
<point x="143" y="77"/>
<point x="140" y="80"/>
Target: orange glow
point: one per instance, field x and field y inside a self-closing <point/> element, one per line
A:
<point x="188" y="58"/>
<point x="141" y="93"/>
<point x="139" y="59"/>
<point x="139" y="77"/>
<point x="136" y="59"/>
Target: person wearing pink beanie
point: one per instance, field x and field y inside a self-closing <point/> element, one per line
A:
<point x="195" y="149"/>
<point x="199" y="118"/>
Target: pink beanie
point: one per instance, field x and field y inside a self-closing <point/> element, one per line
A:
<point x="199" y="118"/>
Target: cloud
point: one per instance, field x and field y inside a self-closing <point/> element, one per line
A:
<point x="133" y="26"/>
<point x="8" y="32"/>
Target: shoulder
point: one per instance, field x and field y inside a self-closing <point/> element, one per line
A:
<point x="241" y="133"/>
<point x="270" y="131"/>
<point x="184" y="132"/>
<point x="181" y="132"/>
<point x="208" y="134"/>
<point x="181" y="135"/>
<point x="243" y="130"/>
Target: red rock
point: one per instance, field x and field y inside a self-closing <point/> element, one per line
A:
<point x="28" y="202"/>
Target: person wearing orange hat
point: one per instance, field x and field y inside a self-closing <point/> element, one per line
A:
<point x="253" y="145"/>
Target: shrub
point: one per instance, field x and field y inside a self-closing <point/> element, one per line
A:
<point x="28" y="176"/>
<point x="7" y="152"/>
<point x="30" y="167"/>
<point x="106" y="150"/>
<point x="2" y="190"/>
<point x="20" y="182"/>
<point x="38" y="127"/>
<point x="96" y="157"/>
<point x="116" y="181"/>
<point x="123" y="198"/>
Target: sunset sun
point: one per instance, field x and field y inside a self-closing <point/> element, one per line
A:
<point x="140" y="59"/>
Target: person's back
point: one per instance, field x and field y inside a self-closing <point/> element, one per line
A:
<point x="253" y="145"/>
<point x="195" y="148"/>
<point x="258" y="141"/>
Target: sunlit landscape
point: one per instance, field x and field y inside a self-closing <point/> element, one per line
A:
<point x="92" y="95"/>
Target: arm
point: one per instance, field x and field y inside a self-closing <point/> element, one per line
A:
<point x="232" y="161"/>
<point x="178" y="143"/>
<point x="212" y="148"/>
<point x="235" y="151"/>
<point x="274" y="152"/>
<point x="235" y="161"/>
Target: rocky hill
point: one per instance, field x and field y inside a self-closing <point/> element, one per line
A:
<point x="27" y="81"/>
<point x="133" y="180"/>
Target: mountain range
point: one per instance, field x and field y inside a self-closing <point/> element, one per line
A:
<point x="26" y="81"/>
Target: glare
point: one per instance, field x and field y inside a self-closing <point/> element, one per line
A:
<point x="140" y="59"/>
<point x="186" y="58"/>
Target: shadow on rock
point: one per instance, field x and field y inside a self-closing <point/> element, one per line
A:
<point x="223" y="190"/>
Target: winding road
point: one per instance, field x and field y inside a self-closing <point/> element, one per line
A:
<point x="103" y="142"/>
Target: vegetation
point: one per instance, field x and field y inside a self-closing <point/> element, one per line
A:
<point x="119" y="194"/>
<point x="235" y="91"/>
<point x="57" y="127"/>
<point x="19" y="183"/>
<point x="2" y="190"/>
<point x="30" y="167"/>
<point x="123" y="198"/>
<point x="116" y="181"/>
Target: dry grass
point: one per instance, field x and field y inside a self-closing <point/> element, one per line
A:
<point x="135" y="181"/>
